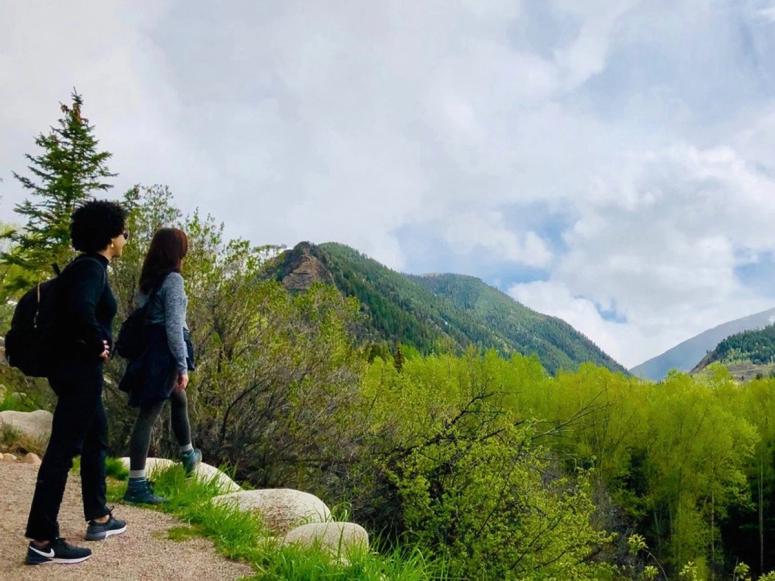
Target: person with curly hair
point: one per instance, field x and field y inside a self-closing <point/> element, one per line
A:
<point x="86" y="307"/>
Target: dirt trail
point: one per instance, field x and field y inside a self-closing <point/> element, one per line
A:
<point x="142" y="553"/>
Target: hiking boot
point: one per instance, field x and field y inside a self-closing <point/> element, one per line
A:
<point x="191" y="460"/>
<point x="140" y="491"/>
<point x="58" y="551"/>
<point x="100" y="531"/>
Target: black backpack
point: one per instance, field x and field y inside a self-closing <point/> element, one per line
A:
<point x="30" y="344"/>
<point x="131" y="337"/>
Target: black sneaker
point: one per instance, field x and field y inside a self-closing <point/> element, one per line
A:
<point x="100" y="531"/>
<point x="140" y="491"/>
<point x="191" y="460"/>
<point x="57" y="552"/>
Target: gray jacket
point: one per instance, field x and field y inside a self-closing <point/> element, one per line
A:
<point x="168" y="308"/>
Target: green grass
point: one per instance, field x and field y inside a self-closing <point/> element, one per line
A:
<point x="183" y="533"/>
<point x="15" y="442"/>
<point x="9" y="436"/>
<point x="16" y="400"/>
<point x="242" y="536"/>
<point x="114" y="468"/>
<point x="292" y="562"/>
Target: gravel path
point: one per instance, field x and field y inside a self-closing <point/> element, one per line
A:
<point x="142" y="553"/>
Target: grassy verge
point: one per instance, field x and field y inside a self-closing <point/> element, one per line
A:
<point x="242" y="536"/>
<point x="114" y="468"/>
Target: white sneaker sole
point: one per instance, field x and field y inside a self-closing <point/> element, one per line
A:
<point x="69" y="561"/>
<point x="107" y="534"/>
<point x="56" y="561"/>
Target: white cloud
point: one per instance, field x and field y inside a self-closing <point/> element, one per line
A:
<point x="768" y="13"/>
<point x="485" y="232"/>
<point x="314" y="122"/>
<point x="660" y="238"/>
<point x="586" y="55"/>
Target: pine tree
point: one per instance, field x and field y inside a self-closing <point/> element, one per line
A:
<point x="64" y="175"/>
<point x="398" y="357"/>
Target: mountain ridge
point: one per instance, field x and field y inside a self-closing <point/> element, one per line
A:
<point x="747" y="355"/>
<point x="436" y="312"/>
<point x="687" y="355"/>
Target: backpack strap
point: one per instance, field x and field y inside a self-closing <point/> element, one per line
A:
<point x="151" y="295"/>
<point x="86" y="257"/>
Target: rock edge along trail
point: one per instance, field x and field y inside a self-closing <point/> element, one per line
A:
<point x="142" y="553"/>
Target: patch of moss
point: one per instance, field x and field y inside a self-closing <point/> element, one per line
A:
<point x="184" y="533"/>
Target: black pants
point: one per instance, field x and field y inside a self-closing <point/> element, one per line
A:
<point x="79" y="427"/>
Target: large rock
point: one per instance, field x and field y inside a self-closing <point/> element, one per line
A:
<point x="151" y="464"/>
<point x="303" y="268"/>
<point x="280" y="508"/>
<point x="31" y="458"/>
<point x="209" y="473"/>
<point x="340" y="538"/>
<point x="203" y="472"/>
<point x="33" y="425"/>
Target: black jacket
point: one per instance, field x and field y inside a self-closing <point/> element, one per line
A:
<point x="86" y="307"/>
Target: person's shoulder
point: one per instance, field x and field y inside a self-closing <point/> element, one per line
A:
<point x="85" y="265"/>
<point x="173" y="280"/>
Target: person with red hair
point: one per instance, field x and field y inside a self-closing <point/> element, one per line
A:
<point x="165" y="362"/>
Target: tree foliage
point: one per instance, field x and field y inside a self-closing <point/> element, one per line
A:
<point x="68" y="171"/>
<point x="756" y="346"/>
<point x="469" y="478"/>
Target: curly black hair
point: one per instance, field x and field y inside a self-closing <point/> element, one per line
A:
<point x="95" y="224"/>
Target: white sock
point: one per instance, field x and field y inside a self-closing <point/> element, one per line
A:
<point x="136" y="474"/>
<point x="187" y="448"/>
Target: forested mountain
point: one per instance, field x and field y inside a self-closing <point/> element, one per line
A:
<point x="685" y="356"/>
<point x="436" y="313"/>
<point x="558" y="345"/>
<point x="746" y="354"/>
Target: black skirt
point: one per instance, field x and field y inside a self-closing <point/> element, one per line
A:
<point x="151" y="377"/>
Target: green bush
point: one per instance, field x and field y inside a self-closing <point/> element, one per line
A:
<point x="456" y="472"/>
<point x="492" y="509"/>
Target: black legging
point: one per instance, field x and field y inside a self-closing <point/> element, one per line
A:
<point x="141" y="434"/>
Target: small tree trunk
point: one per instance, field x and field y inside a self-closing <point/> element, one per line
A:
<point x="712" y="534"/>
<point x="761" y="515"/>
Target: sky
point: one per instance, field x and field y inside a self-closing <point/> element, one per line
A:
<point x="608" y="162"/>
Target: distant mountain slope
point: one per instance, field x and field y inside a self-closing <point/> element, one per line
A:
<point x="558" y="344"/>
<point x="685" y="356"/>
<point x="437" y="313"/>
<point x="746" y="354"/>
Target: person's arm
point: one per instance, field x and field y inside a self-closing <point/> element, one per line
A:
<point x="87" y="283"/>
<point x="175" y="319"/>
